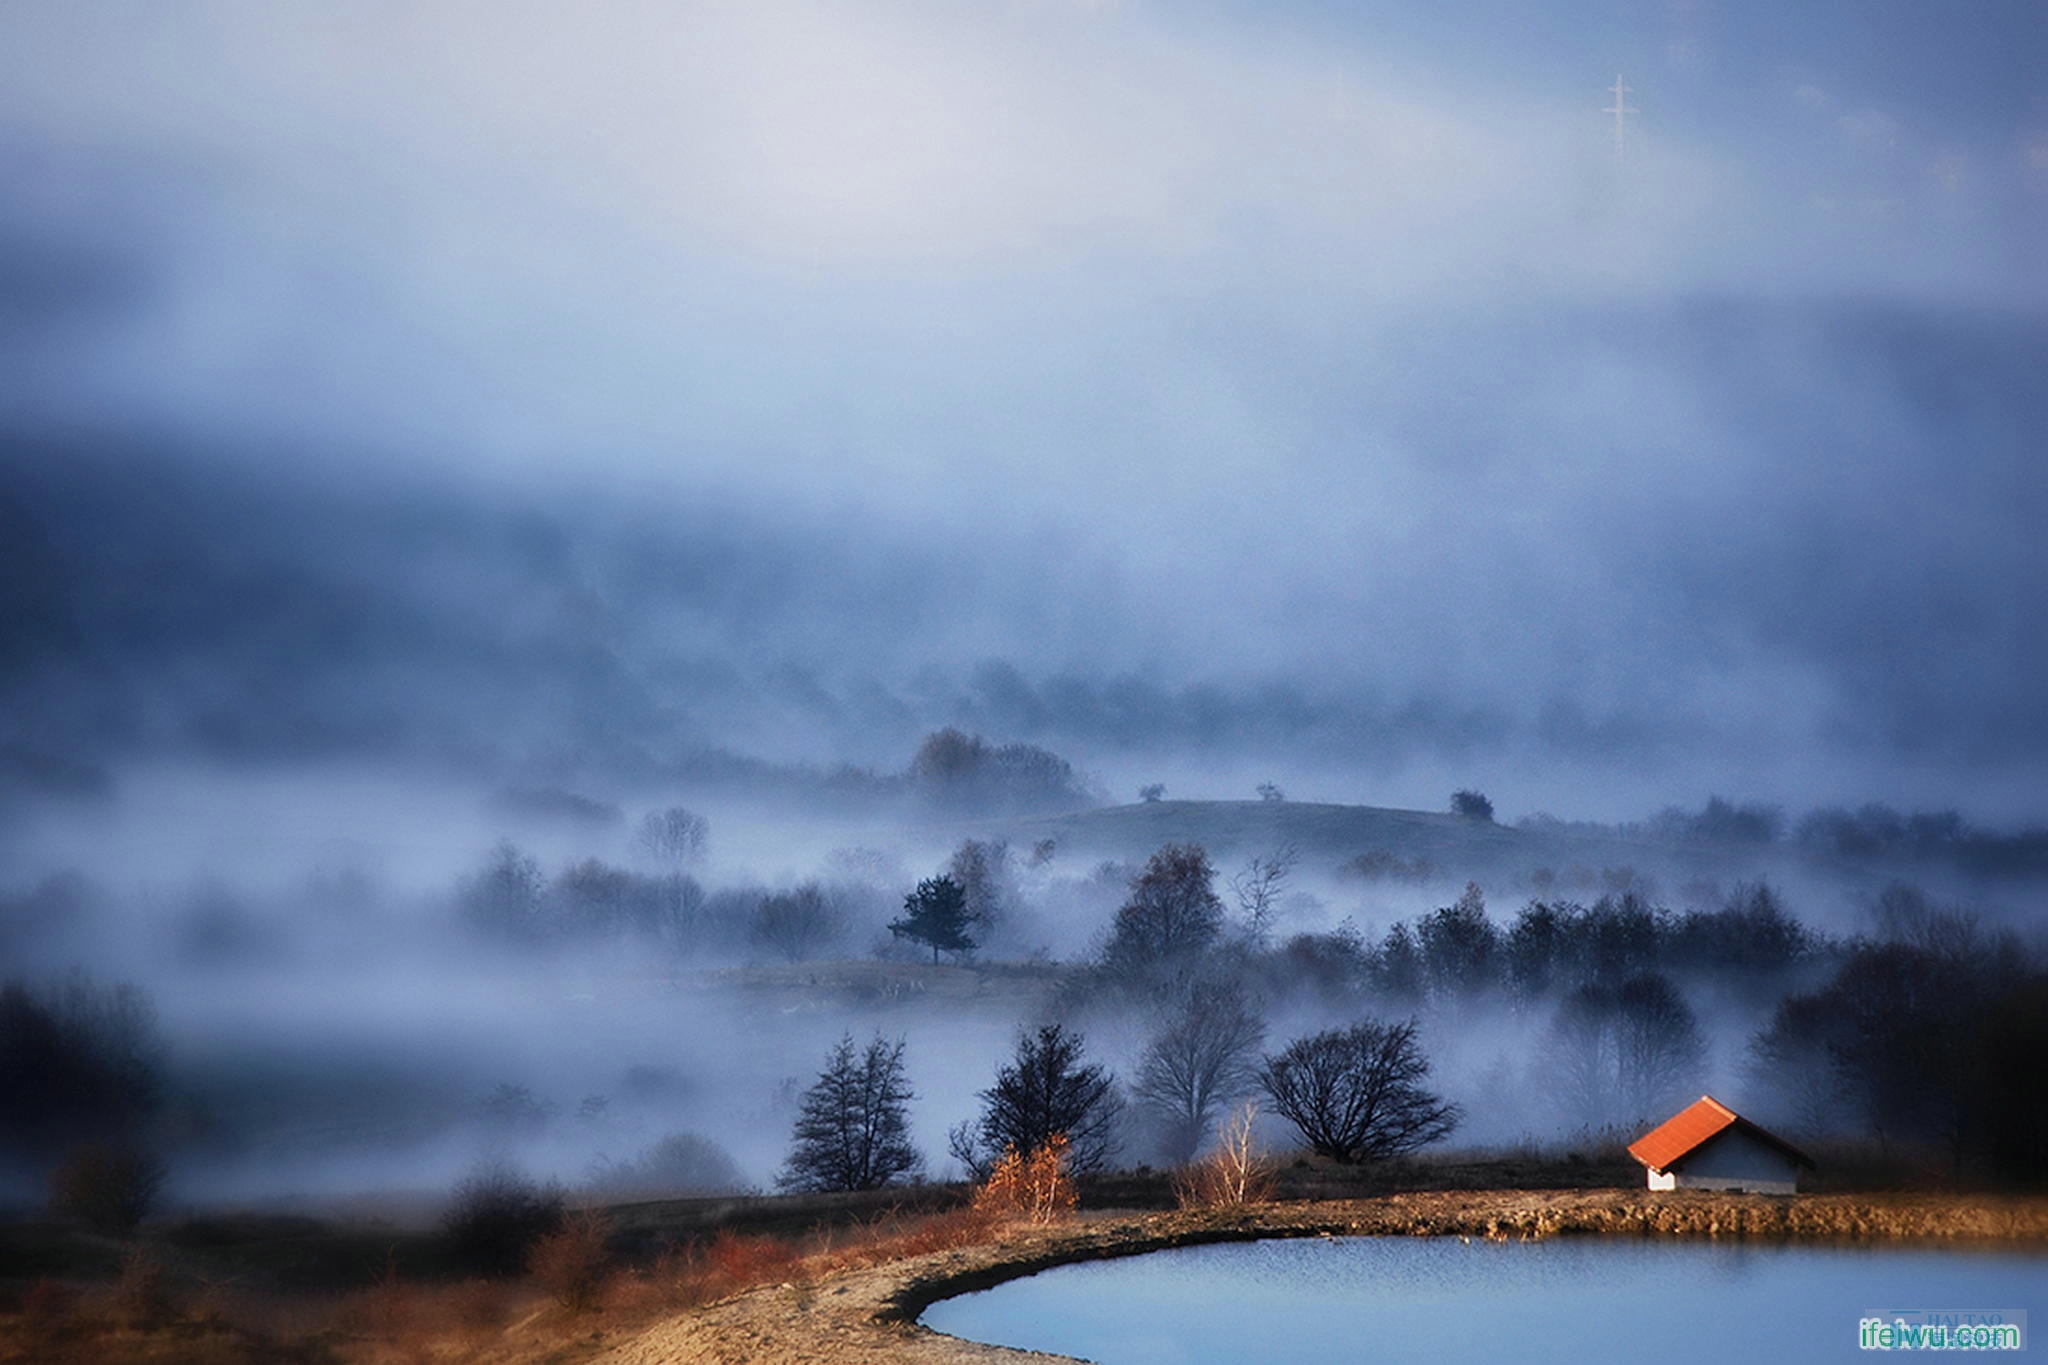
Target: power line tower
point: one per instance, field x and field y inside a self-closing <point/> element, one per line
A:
<point x="1621" y="109"/>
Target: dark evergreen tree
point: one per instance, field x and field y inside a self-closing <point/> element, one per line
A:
<point x="1044" y="1091"/>
<point x="936" y="913"/>
<point x="852" y="1132"/>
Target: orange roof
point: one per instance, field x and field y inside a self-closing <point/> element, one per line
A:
<point x="1692" y="1127"/>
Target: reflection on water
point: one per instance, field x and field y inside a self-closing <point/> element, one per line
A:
<point x="1444" y="1300"/>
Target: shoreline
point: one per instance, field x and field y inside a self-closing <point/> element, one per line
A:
<point x="868" y="1316"/>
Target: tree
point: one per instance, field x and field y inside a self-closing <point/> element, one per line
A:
<point x="796" y="923"/>
<point x="80" y="1063"/>
<point x="1170" y="920"/>
<point x="1270" y="791"/>
<point x="1472" y="805"/>
<point x="1460" y="949"/>
<point x="505" y="898"/>
<point x="1622" y="1054"/>
<point x="1204" y="1057"/>
<point x="675" y="836"/>
<point x="982" y="869"/>
<point x="852" y="1131"/>
<point x="496" y="1214"/>
<point x="1044" y="1091"/>
<point x="1257" y="889"/>
<point x="1356" y="1094"/>
<point x="110" y="1187"/>
<point x="935" y="913"/>
<point x="1152" y="791"/>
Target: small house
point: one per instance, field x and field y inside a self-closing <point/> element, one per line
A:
<point x="1708" y="1146"/>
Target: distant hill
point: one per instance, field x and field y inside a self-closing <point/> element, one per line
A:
<point x="1330" y="836"/>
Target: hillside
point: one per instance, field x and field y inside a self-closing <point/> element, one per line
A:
<point x="1328" y="836"/>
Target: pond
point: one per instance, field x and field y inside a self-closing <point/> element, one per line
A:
<point x="1446" y="1300"/>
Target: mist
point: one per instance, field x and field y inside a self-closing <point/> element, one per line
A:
<point x="428" y="432"/>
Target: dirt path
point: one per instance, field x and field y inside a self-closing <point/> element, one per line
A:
<point x="868" y="1316"/>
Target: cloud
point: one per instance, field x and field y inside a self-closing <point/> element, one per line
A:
<point x="769" y="374"/>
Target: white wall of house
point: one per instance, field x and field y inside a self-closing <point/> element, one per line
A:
<point x="1732" y="1161"/>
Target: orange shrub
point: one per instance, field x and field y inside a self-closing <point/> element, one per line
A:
<point x="1035" y="1189"/>
<point x="570" y="1261"/>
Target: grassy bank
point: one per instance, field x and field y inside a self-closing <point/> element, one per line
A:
<point x="270" y="1289"/>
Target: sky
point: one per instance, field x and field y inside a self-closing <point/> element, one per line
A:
<point x="1212" y="393"/>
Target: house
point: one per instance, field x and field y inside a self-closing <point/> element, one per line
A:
<point x="1708" y="1146"/>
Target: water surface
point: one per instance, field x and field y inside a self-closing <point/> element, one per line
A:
<point x="1444" y="1301"/>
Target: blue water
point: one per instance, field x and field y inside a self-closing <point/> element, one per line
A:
<point x="1440" y="1300"/>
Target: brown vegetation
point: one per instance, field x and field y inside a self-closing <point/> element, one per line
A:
<point x="837" y="1277"/>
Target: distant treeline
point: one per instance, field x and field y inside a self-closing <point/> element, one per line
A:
<point x="1873" y="832"/>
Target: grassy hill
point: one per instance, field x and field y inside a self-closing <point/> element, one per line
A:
<point x="1330" y="836"/>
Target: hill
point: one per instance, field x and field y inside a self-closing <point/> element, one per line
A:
<point x="1412" y="845"/>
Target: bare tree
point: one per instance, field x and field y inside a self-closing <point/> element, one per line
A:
<point x="1356" y="1094"/>
<point x="981" y="869"/>
<point x="1257" y="890"/>
<point x="1152" y="791"/>
<point x="853" y="1131"/>
<point x="1270" y="791"/>
<point x="675" y="836"/>
<point x="795" y="924"/>
<point x="1204" y="1057"/>
<point x="1235" y="1172"/>
<point x="1044" y="1091"/>
<point x="1622" y="1054"/>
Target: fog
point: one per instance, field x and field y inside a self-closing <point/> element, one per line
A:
<point x="425" y="428"/>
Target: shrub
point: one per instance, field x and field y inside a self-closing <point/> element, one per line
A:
<point x="496" y="1215"/>
<point x="141" y="1296"/>
<point x="109" y="1187"/>
<point x="1035" y="1188"/>
<point x="570" y="1261"/>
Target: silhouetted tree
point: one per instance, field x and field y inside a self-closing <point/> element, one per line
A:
<point x="1398" y="964"/>
<point x="495" y="1215"/>
<point x="1472" y="805"/>
<point x="1172" y="917"/>
<point x="505" y="898"/>
<point x="1204" y="1056"/>
<point x="796" y="924"/>
<point x="676" y="836"/>
<point x="1752" y="938"/>
<point x="962" y="769"/>
<point x="1257" y="889"/>
<point x="853" y="1129"/>
<point x="81" y="1062"/>
<point x="1356" y="1094"/>
<point x="110" y="1186"/>
<point x="1152" y="791"/>
<point x="1622" y="1054"/>
<point x="1270" y="791"/>
<point x="1044" y="1090"/>
<point x="1460" y="950"/>
<point x="935" y="914"/>
<point x="1532" y="947"/>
